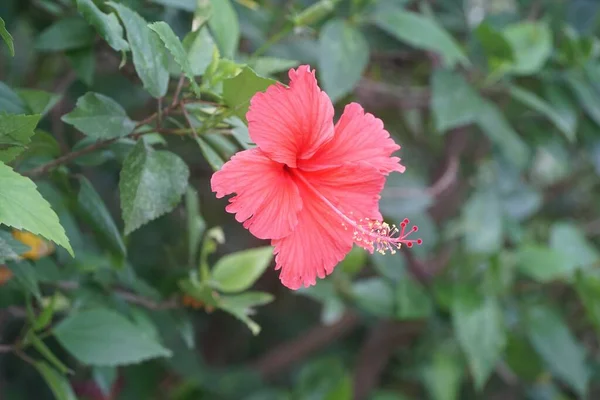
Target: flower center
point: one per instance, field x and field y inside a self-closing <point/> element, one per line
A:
<point x="372" y="234"/>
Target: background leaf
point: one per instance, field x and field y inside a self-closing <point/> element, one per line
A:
<point x="22" y="207"/>
<point x="238" y="271"/>
<point x="99" y="117"/>
<point x="105" y="338"/>
<point x="152" y="183"/>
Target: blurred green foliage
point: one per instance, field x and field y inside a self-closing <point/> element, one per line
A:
<point x="114" y="115"/>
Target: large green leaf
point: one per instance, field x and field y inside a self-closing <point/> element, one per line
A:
<point x="98" y="217"/>
<point x="172" y="43"/>
<point x="15" y="133"/>
<point x="343" y="57"/>
<point x="493" y="123"/>
<point x="552" y="339"/>
<point x="421" y="32"/>
<point x="66" y="34"/>
<point x="542" y="263"/>
<point x="7" y="37"/>
<point x="454" y="102"/>
<point x="151" y="184"/>
<point x="480" y="331"/>
<point x="107" y="25"/>
<point x="22" y="207"/>
<point x="532" y="46"/>
<point x="103" y="337"/>
<point x="538" y="104"/>
<point x="99" y="117"/>
<point x="238" y="271"/>
<point x="225" y="27"/>
<point x="482" y="222"/>
<point x="238" y="91"/>
<point x="149" y="54"/>
<point x="59" y="385"/>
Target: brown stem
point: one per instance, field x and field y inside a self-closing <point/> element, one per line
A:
<point x="43" y="169"/>
<point x="288" y="353"/>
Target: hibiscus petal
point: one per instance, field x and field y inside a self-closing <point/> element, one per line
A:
<point x="358" y="137"/>
<point x="323" y="236"/>
<point x="291" y="123"/>
<point x="267" y="200"/>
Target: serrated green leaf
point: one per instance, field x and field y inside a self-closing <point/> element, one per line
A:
<point x="7" y="37"/>
<point x="238" y="91"/>
<point x="60" y="386"/>
<point x="99" y="117"/>
<point x="554" y="342"/>
<point x="151" y="184"/>
<point x="225" y="27"/>
<point x="107" y="25"/>
<point x="238" y="271"/>
<point x="104" y="338"/>
<point x="66" y="34"/>
<point x="149" y="54"/>
<point x="454" y="102"/>
<point x="23" y="208"/>
<point x="15" y="133"/>
<point x="542" y="263"/>
<point x="10" y="248"/>
<point x="343" y="57"/>
<point x="98" y="217"/>
<point x="480" y="331"/>
<point x="423" y="33"/>
<point x="172" y="43"/>
<point x="538" y="104"/>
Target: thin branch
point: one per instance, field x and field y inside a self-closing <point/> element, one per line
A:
<point x="178" y="90"/>
<point x="447" y="179"/>
<point x="43" y="169"/>
<point x="129" y="297"/>
<point x="289" y="353"/>
<point x="6" y="348"/>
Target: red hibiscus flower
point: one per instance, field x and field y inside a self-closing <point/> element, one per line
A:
<point x="310" y="187"/>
